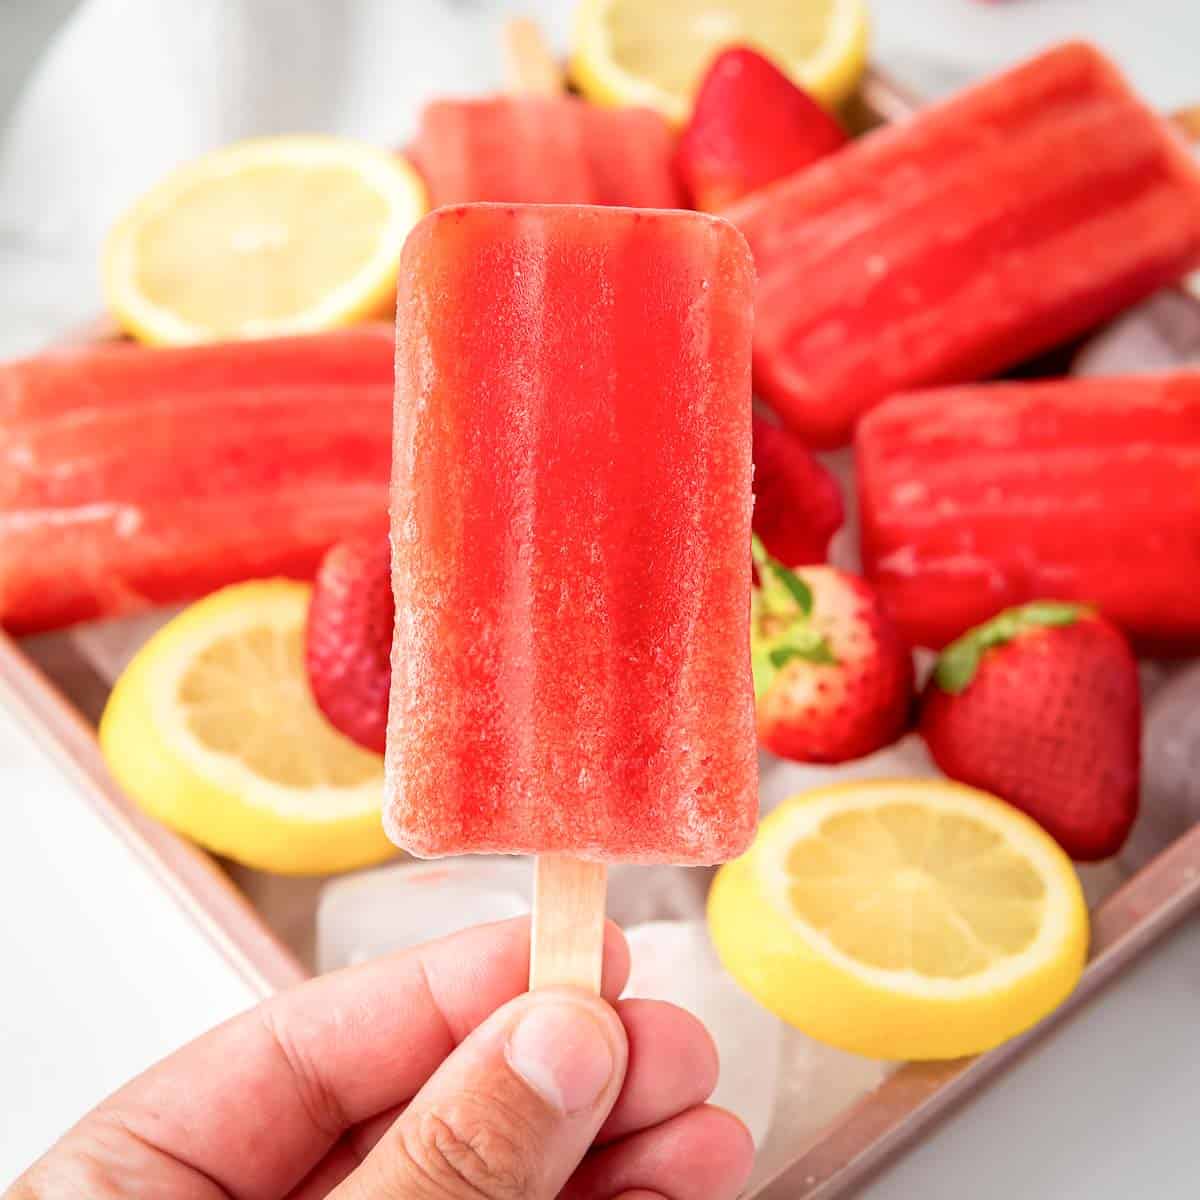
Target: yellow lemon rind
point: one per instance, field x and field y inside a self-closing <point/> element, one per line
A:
<point x="831" y="76"/>
<point x="150" y="759"/>
<point x="789" y="969"/>
<point x="364" y="295"/>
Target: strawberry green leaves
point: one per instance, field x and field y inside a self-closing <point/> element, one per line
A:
<point x="958" y="663"/>
<point x="771" y="570"/>
<point x="814" y="650"/>
<point x="780" y="615"/>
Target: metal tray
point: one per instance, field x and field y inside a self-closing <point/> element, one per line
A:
<point x="55" y="685"/>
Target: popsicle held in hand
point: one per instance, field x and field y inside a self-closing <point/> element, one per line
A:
<point x="571" y="529"/>
<point x="1006" y="220"/>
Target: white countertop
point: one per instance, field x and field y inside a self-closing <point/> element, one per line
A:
<point x="103" y="974"/>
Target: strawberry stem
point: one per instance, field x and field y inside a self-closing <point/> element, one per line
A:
<point x="800" y="592"/>
<point x="781" y="628"/>
<point x="958" y="663"/>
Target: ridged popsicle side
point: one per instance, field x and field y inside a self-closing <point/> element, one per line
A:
<point x="113" y="376"/>
<point x="545" y="150"/>
<point x="977" y="498"/>
<point x="570" y="525"/>
<point x="1007" y="220"/>
<point x="135" y="478"/>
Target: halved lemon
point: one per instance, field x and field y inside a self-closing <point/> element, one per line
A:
<point x="655" y="52"/>
<point x="267" y="237"/>
<point x="907" y="920"/>
<point x="213" y="730"/>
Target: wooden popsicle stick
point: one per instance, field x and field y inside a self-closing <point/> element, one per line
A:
<point x="1187" y="122"/>
<point x="529" y="66"/>
<point x="568" y="922"/>
<point x="99" y="329"/>
<point x="567" y="947"/>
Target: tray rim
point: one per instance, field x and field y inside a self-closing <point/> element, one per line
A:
<point x="846" y="1152"/>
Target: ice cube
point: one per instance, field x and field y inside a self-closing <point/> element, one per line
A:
<point x="816" y="1084"/>
<point x="780" y="779"/>
<point x="638" y="893"/>
<point x="373" y="912"/>
<point x="674" y="960"/>
<point x="1170" y="769"/>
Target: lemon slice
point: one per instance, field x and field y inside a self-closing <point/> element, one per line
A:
<point x="908" y="920"/>
<point x="655" y="52"/>
<point x="267" y="237"/>
<point x="213" y="730"/>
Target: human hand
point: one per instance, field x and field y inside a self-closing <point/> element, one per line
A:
<point x="426" y="1074"/>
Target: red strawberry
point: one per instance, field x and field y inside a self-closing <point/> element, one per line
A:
<point x="750" y="125"/>
<point x="1040" y="705"/>
<point x="797" y="502"/>
<point x="350" y="638"/>
<point x="833" y="680"/>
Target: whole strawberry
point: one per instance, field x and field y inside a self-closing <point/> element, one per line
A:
<point x="1040" y="705"/>
<point x="833" y="680"/>
<point x="797" y="503"/>
<point x="750" y="125"/>
<point x="349" y="639"/>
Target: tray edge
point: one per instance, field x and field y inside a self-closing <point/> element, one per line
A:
<point x="187" y="873"/>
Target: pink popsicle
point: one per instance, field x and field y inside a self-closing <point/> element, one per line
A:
<point x="545" y="150"/>
<point x="571" y="522"/>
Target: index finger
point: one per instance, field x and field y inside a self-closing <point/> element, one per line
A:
<point x="255" y="1104"/>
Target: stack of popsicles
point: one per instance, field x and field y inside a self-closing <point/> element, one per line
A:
<point x="594" y="502"/>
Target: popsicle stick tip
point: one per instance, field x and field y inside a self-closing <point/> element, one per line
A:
<point x="568" y="923"/>
<point x="529" y="65"/>
<point x="1187" y="122"/>
<point x="98" y="329"/>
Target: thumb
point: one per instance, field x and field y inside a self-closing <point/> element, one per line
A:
<point x="511" y="1113"/>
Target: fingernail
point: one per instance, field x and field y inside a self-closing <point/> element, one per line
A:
<point x="562" y="1052"/>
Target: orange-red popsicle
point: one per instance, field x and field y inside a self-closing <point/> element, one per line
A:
<point x="986" y="229"/>
<point x="138" y="477"/>
<point x="545" y="150"/>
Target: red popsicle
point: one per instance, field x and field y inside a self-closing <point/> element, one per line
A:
<point x="138" y="477"/>
<point x="975" y="499"/>
<point x="571" y="532"/>
<point x="1010" y="218"/>
<point x="545" y="150"/>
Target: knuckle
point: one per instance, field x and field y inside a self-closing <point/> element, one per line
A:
<point x="476" y="1147"/>
<point x="317" y="1099"/>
